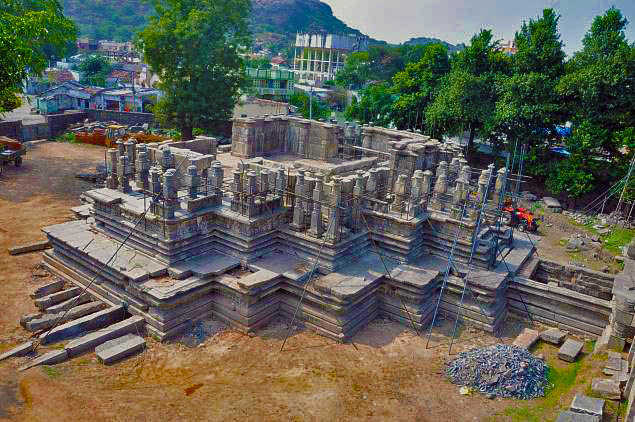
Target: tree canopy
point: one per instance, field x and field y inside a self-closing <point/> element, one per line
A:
<point x="30" y="31"/>
<point x="95" y="69"/>
<point x="194" y="46"/>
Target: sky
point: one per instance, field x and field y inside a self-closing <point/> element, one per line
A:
<point x="456" y="21"/>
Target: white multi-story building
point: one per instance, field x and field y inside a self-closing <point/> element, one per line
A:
<point x="318" y="57"/>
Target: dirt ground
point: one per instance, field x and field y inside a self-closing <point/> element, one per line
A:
<point x="385" y="373"/>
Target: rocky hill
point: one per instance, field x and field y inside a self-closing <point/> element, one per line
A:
<point x="426" y="40"/>
<point x="274" y="22"/>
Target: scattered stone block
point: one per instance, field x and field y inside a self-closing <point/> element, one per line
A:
<point x="606" y="388"/>
<point x="90" y="322"/>
<point x="55" y="298"/>
<point x="119" y="348"/>
<point x="587" y="405"/>
<point x="527" y="338"/>
<point x="49" y="320"/>
<point x="70" y="303"/>
<point x="51" y="358"/>
<point x="47" y="289"/>
<point x="569" y="416"/>
<point x="553" y="336"/>
<point x="21" y="350"/>
<point x="40" y="245"/>
<point x="27" y="318"/>
<point x="88" y="342"/>
<point x="570" y="350"/>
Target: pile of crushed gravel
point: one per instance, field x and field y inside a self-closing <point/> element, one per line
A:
<point x="500" y="371"/>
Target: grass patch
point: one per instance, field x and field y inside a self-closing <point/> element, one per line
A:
<point x="66" y="137"/>
<point x="617" y="239"/>
<point x="51" y="371"/>
<point x="562" y="380"/>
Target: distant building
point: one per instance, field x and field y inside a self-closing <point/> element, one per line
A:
<point x="87" y="45"/>
<point x="75" y="96"/>
<point x="318" y="57"/>
<point x="68" y="96"/>
<point x="508" y="47"/>
<point x="271" y="84"/>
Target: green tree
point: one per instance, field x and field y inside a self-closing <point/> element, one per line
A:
<point x="30" y="30"/>
<point x="528" y="106"/>
<point x="598" y="89"/>
<point x="307" y="108"/>
<point x="356" y="71"/>
<point x="417" y="86"/>
<point x="375" y="105"/>
<point x="95" y="69"/>
<point x="194" y="46"/>
<point x="467" y="97"/>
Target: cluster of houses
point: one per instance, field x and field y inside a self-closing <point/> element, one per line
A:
<point x="71" y="95"/>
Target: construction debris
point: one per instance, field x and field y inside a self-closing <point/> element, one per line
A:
<point x="500" y="370"/>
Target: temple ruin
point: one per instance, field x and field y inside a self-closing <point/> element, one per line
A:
<point x="336" y="224"/>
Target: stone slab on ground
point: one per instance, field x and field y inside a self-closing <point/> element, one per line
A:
<point x="47" y="321"/>
<point x="119" y="348"/>
<point x="70" y="303"/>
<point x="527" y="338"/>
<point x="587" y="405"/>
<point x="553" y="336"/>
<point x="55" y="298"/>
<point x="47" y="289"/>
<point x="50" y="358"/>
<point x="570" y="350"/>
<point x="569" y="416"/>
<point x="40" y="245"/>
<point x="90" y="322"/>
<point x="88" y="342"/>
<point x="21" y="350"/>
<point x="606" y="388"/>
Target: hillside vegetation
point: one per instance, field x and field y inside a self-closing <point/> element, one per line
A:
<point x="273" y="22"/>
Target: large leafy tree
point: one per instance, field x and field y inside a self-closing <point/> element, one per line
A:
<point x="418" y="85"/>
<point x="528" y="107"/>
<point x="467" y="97"/>
<point x="315" y="109"/>
<point x="194" y="46"/>
<point x="375" y="105"/>
<point x="95" y="69"/>
<point x="30" y="31"/>
<point x="599" y="88"/>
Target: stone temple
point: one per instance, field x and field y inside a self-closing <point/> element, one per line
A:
<point x="341" y="222"/>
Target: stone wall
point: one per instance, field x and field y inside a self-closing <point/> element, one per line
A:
<point x="35" y="131"/>
<point x="121" y="117"/>
<point x="265" y="136"/>
<point x="582" y="280"/>
<point x="58" y="123"/>
<point x="11" y="130"/>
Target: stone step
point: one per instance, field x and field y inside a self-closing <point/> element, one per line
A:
<point x="21" y="350"/>
<point x="47" y="289"/>
<point x="119" y="348"/>
<point x="55" y="298"/>
<point x="49" y="320"/>
<point x="51" y="358"/>
<point x="70" y="303"/>
<point x="132" y="325"/>
<point x="90" y="322"/>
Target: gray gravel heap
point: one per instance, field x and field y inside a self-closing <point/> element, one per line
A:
<point x="500" y="371"/>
